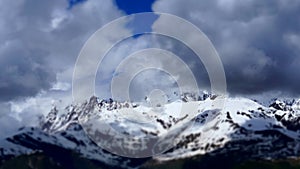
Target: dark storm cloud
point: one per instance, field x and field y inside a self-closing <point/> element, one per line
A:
<point x="40" y="39"/>
<point x="23" y="73"/>
<point x="258" y="41"/>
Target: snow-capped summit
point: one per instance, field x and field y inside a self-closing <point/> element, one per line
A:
<point x="195" y="126"/>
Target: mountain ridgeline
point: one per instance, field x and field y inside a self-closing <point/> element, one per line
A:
<point x="242" y="131"/>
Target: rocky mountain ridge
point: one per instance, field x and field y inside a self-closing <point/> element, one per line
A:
<point x="242" y="126"/>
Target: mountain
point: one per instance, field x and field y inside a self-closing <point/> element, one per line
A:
<point x="183" y="129"/>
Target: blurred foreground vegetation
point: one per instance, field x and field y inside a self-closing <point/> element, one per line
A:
<point x="41" y="161"/>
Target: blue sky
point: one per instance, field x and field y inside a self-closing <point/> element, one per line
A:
<point x="138" y="6"/>
<point x="75" y="2"/>
<point x="135" y="6"/>
<point x="128" y="6"/>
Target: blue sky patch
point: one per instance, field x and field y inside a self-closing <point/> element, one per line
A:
<point x="135" y="6"/>
<point x="75" y="2"/>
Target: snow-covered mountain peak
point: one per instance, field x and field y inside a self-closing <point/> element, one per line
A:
<point x="189" y="127"/>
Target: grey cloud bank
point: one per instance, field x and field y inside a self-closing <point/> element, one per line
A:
<point x="258" y="41"/>
<point x="41" y="39"/>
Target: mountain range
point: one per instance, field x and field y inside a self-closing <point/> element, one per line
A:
<point x="145" y="135"/>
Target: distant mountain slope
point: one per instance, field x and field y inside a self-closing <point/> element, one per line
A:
<point x="242" y="127"/>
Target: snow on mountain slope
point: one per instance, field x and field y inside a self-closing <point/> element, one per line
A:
<point x="241" y="124"/>
<point x="30" y="140"/>
<point x="241" y="119"/>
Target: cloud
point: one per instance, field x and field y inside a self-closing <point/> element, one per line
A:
<point x="30" y="111"/>
<point x="129" y="56"/>
<point x="256" y="40"/>
<point x="75" y="2"/>
<point x="41" y="39"/>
